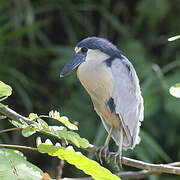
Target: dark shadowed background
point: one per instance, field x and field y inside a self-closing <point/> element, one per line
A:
<point x="37" y="38"/>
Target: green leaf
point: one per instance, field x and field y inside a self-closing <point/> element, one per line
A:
<point x="57" y="131"/>
<point x="33" y="116"/>
<point x="175" y="90"/>
<point x="89" y="166"/>
<point x="174" y="38"/>
<point x="62" y="133"/>
<point x="5" y="91"/>
<point x="14" y="166"/>
<point x="28" y="131"/>
<point x="19" y="125"/>
<point x="38" y="141"/>
<point x="42" y="124"/>
<point x="63" y="119"/>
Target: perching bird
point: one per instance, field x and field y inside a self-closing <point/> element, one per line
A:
<point x="113" y="85"/>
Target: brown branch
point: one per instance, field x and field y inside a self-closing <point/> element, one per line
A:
<point x="143" y="173"/>
<point x="147" y="167"/>
<point x="157" y="168"/>
<point x="135" y="174"/>
<point x="13" y="115"/>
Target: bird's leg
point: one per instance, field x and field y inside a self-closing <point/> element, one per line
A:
<point x="118" y="155"/>
<point x="104" y="148"/>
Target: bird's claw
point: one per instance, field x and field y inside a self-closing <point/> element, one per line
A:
<point x="118" y="160"/>
<point x="104" y="149"/>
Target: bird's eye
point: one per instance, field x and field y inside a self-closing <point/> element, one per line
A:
<point x="84" y="50"/>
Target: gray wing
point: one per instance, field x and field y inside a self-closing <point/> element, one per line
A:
<point x="127" y="98"/>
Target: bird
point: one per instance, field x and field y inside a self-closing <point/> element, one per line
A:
<point x="113" y="85"/>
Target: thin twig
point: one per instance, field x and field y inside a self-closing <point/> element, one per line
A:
<point x="18" y="147"/>
<point x="60" y="169"/>
<point x="61" y="164"/>
<point x="10" y="129"/>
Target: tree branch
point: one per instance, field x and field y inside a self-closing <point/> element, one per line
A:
<point x="157" y="168"/>
<point x="143" y="173"/>
<point x="148" y="168"/>
<point x="13" y="115"/>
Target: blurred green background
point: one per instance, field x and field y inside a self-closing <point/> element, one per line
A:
<point x="37" y="38"/>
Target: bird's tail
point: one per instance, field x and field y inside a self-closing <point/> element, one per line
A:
<point x="116" y="136"/>
<point x="126" y="144"/>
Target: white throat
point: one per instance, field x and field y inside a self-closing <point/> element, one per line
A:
<point x="96" y="56"/>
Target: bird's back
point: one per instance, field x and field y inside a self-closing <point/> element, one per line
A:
<point x="127" y="99"/>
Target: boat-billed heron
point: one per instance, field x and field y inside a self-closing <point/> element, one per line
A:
<point x="113" y="85"/>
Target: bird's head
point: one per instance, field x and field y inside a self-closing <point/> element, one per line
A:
<point x="89" y="49"/>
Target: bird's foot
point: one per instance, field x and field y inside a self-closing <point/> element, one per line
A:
<point x="118" y="160"/>
<point x="104" y="149"/>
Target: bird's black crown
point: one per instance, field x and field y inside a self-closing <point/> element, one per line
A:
<point x="100" y="44"/>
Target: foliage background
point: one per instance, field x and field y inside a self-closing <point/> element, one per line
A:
<point x="37" y="38"/>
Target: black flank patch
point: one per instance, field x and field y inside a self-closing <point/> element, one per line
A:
<point x="111" y="104"/>
<point x="109" y="61"/>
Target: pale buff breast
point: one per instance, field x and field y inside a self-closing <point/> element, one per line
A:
<point x="97" y="79"/>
